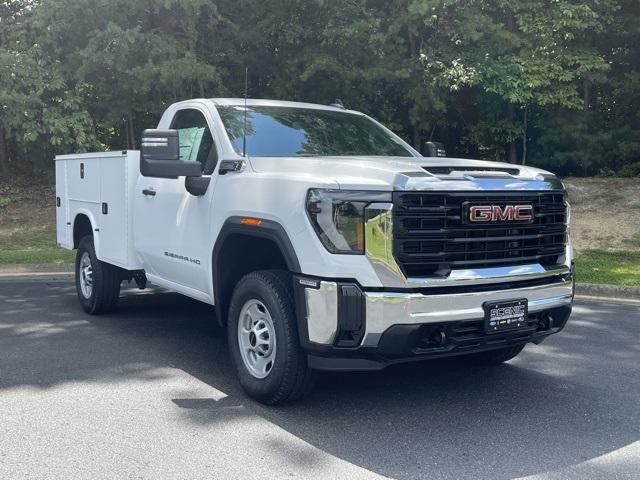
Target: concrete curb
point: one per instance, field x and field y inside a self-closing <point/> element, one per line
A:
<point x="607" y="291"/>
<point x="36" y="268"/>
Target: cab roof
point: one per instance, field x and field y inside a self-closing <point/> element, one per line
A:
<point x="253" y="102"/>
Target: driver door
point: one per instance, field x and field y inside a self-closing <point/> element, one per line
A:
<point x="171" y="225"/>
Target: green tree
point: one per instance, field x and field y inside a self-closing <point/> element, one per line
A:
<point x="550" y="82"/>
<point x="529" y="53"/>
<point x="130" y="65"/>
<point x="38" y="110"/>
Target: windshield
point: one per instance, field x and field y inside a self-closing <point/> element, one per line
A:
<point x="297" y="132"/>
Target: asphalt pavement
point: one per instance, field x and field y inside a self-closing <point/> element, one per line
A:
<point x="148" y="392"/>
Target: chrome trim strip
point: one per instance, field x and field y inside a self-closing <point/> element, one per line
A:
<point x="322" y="312"/>
<point x="489" y="275"/>
<point x="385" y="309"/>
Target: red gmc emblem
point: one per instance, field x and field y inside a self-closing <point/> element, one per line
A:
<point x="498" y="213"/>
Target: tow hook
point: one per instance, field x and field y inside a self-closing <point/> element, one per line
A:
<point x="438" y="337"/>
<point x="546" y="322"/>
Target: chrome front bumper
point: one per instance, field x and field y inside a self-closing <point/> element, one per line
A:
<point x="383" y="309"/>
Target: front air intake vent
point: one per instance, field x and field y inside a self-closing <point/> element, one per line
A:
<point x="448" y="170"/>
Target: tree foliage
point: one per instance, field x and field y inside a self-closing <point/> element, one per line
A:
<point x="554" y="83"/>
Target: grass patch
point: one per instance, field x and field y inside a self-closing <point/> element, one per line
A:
<point x="34" y="246"/>
<point x="615" y="268"/>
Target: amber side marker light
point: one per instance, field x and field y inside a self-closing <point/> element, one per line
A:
<point x="251" y="221"/>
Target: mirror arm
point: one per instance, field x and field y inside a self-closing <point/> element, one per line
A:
<point x="197" y="186"/>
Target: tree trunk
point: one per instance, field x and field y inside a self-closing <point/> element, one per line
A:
<point x="524" y="135"/>
<point x="512" y="156"/>
<point x="125" y="130"/>
<point x="510" y="22"/>
<point x="416" y="138"/>
<point x="4" y="163"/>
<point x="412" y="44"/>
<point x="586" y="97"/>
<point x="132" y="138"/>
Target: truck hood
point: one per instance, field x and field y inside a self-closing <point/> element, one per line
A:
<point x="410" y="173"/>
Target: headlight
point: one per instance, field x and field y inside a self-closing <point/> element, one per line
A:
<point x="337" y="217"/>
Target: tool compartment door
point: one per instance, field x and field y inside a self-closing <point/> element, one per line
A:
<point x="62" y="207"/>
<point x="113" y="216"/>
<point x="83" y="179"/>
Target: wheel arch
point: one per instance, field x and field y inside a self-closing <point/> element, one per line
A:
<point x="84" y="224"/>
<point x="241" y="248"/>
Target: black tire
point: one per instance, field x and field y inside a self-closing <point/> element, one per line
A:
<point x="289" y="378"/>
<point x="106" y="279"/>
<point x="494" y="357"/>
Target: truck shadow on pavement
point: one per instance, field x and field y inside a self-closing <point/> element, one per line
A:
<point x="566" y="401"/>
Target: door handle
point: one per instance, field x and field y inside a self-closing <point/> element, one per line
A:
<point x="149" y="192"/>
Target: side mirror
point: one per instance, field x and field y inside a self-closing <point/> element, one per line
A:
<point x="433" y="149"/>
<point x="160" y="156"/>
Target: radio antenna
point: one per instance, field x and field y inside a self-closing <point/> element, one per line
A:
<point x="244" y="125"/>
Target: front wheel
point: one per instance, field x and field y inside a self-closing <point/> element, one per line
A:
<point x="262" y="333"/>
<point x="97" y="283"/>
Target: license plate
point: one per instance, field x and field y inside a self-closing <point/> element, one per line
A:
<point x="499" y="316"/>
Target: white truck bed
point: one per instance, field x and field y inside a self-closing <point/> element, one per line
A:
<point x="101" y="186"/>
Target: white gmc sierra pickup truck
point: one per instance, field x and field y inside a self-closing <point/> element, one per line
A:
<point x="324" y="240"/>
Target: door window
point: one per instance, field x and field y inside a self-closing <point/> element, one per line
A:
<point x="196" y="142"/>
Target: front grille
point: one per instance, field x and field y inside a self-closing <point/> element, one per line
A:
<point x="431" y="238"/>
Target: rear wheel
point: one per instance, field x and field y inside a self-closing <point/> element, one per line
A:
<point x="495" y="357"/>
<point x="262" y="333"/>
<point x="97" y="283"/>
